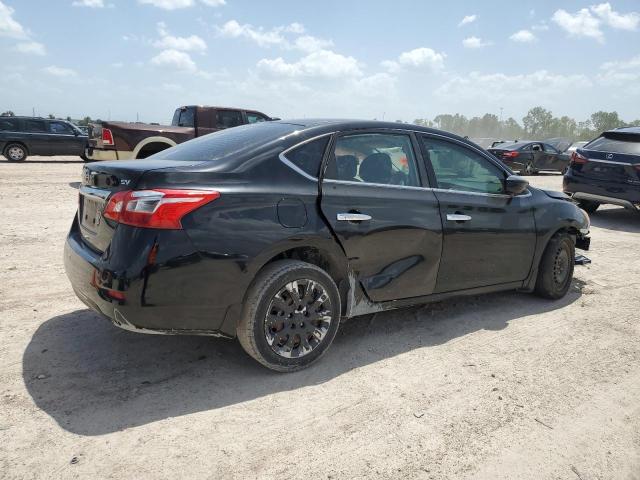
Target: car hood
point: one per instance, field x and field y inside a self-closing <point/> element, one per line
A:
<point x="556" y="195"/>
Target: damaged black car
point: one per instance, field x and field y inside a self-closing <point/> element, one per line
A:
<point x="275" y="232"/>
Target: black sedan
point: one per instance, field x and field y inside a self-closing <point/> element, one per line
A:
<point x="274" y="232"/>
<point x="531" y="157"/>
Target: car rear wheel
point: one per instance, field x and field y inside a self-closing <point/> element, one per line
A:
<point x="556" y="267"/>
<point x="290" y="316"/>
<point x="14" y="152"/>
<point x="588" y="206"/>
<point x="529" y="169"/>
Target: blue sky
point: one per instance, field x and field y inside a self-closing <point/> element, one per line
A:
<point x="364" y="59"/>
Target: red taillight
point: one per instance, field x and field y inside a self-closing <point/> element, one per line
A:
<point x="577" y="159"/>
<point x="637" y="167"/>
<point x="512" y="154"/>
<point x="107" y="137"/>
<point x="160" y="208"/>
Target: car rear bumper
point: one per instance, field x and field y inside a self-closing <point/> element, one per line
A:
<point x="99" y="154"/>
<point x="145" y="297"/>
<point x="602" y="191"/>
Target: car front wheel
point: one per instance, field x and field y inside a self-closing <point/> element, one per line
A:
<point x="290" y="316"/>
<point x="556" y="267"/>
<point x="15" y="152"/>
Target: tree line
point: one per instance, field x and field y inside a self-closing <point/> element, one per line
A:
<point x="82" y="122"/>
<point x="538" y="124"/>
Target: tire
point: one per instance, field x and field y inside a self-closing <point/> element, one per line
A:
<point x="588" y="206"/>
<point x="275" y="346"/>
<point x="556" y="267"/>
<point x="15" y="152"/>
<point x="529" y="169"/>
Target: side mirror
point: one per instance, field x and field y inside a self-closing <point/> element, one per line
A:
<point x="515" y="184"/>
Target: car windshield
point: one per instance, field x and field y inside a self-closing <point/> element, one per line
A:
<point x="184" y="117"/>
<point x="232" y="141"/>
<point x="616" y="143"/>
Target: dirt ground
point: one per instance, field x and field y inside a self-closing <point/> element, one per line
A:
<point x="501" y="386"/>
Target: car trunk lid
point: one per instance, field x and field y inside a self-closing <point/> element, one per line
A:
<point x="99" y="182"/>
<point x="616" y="167"/>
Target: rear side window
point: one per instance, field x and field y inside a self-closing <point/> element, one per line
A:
<point x="617" y="144"/>
<point x="308" y="157"/>
<point x="228" y="118"/>
<point x="379" y="158"/>
<point x="9" y="124"/>
<point x="35" y="126"/>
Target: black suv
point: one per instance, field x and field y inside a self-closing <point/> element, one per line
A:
<point x="24" y="136"/>
<point x="274" y="232"/>
<point x="606" y="170"/>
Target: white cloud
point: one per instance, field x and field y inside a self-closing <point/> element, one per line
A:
<point x="264" y="38"/>
<point x="629" y="21"/>
<point x="624" y="73"/>
<point x="475" y="42"/>
<point x="307" y="43"/>
<point x="533" y="87"/>
<point x="59" y="71"/>
<point x="168" y="4"/>
<point x="588" y="22"/>
<point x="175" y="59"/>
<point x="468" y="19"/>
<point x="8" y="26"/>
<point x="579" y="24"/>
<point x="32" y="48"/>
<point x="542" y="26"/>
<point x="321" y="63"/>
<point x="89" y="3"/>
<point x="192" y="43"/>
<point x="214" y="3"/>
<point x="523" y="36"/>
<point x="422" y="57"/>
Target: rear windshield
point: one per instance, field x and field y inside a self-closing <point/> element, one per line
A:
<point x="184" y="117"/>
<point x="616" y="143"/>
<point x="232" y="141"/>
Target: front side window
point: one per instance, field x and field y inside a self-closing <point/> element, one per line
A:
<point x="550" y="149"/>
<point x="380" y="158"/>
<point x="458" y="168"/>
<point x="229" y="118"/>
<point x="60" y="128"/>
<point x="308" y="157"/>
<point x="255" y="118"/>
<point x="35" y="126"/>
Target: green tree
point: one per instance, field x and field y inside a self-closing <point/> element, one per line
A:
<point x="538" y="123"/>
<point x="603" y="121"/>
<point x="8" y="113"/>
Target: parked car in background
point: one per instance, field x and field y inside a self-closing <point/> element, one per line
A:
<point x="24" y="136"/>
<point x="529" y="157"/>
<point x="606" y="170"/>
<point x="275" y="232"/>
<point x="123" y="141"/>
<point x="574" y="146"/>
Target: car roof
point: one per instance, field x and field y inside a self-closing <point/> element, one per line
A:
<point x="326" y="125"/>
<point x="631" y="130"/>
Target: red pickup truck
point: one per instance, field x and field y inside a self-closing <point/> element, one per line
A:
<point x="125" y="141"/>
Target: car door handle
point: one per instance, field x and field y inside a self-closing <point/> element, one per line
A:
<point x="353" y="217"/>
<point x="458" y="217"/>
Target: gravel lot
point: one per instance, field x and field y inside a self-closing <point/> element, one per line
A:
<point x="499" y="386"/>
